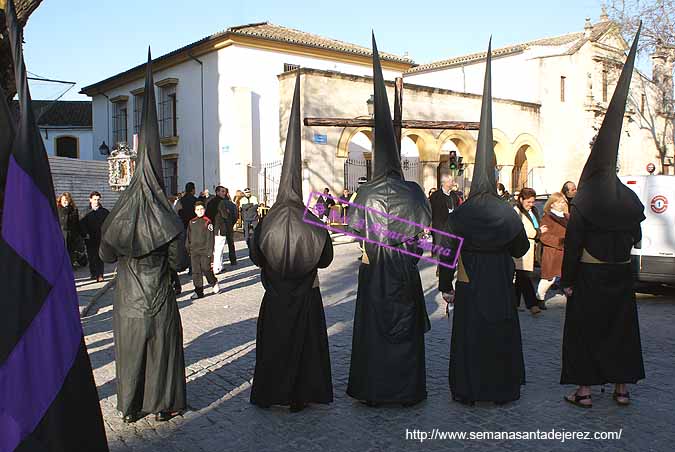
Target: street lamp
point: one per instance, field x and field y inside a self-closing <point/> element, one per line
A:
<point x="104" y="149"/>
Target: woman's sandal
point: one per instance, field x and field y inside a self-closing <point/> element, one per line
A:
<point x="621" y="395"/>
<point x="576" y="400"/>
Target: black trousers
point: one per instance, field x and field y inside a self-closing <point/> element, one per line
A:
<point x="95" y="262"/>
<point x="229" y="235"/>
<point x="201" y="267"/>
<point x="525" y="288"/>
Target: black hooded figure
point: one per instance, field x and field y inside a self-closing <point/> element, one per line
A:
<point x="486" y="355"/>
<point x="601" y="340"/>
<point x="292" y="365"/>
<point x="387" y="360"/>
<point x="142" y="233"/>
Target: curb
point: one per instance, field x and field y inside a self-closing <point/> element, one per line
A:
<point x="85" y="309"/>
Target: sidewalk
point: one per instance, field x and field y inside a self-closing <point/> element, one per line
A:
<point x="89" y="290"/>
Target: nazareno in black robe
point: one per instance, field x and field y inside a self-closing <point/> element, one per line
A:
<point x="144" y="235"/>
<point x="292" y="359"/>
<point x="486" y="354"/>
<point x="601" y="339"/>
<point x="388" y="356"/>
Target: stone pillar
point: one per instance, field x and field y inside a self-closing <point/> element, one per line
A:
<point x="429" y="175"/>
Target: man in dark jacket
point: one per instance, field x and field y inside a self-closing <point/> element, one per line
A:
<point x="229" y="231"/>
<point x="90" y="228"/>
<point x="443" y="203"/>
<point x="200" y="237"/>
<point x="186" y="204"/>
<point x="221" y="216"/>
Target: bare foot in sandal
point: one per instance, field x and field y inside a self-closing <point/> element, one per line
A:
<point x="581" y="397"/>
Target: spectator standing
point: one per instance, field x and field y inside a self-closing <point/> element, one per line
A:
<point x="249" y="212"/>
<point x="502" y="193"/>
<point x="569" y="190"/>
<point x="525" y="264"/>
<point x="90" y="228"/>
<point x="344" y="199"/>
<point x="70" y="223"/>
<point x="556" y="216"/>
<point x="186" y="204"/>
<point x="200" y="238"/>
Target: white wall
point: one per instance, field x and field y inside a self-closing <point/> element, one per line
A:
<point x="85" y="139"/>
<point x="241" y="111"/>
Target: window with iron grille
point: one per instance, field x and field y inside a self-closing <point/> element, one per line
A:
<point x="138" y="112"/>
<point x="119" y="122"/>
<point x="168" y="121"/>
<point x="562" y="88"/>
<point x="290" y="67"/>
<point x="170" y="171"/>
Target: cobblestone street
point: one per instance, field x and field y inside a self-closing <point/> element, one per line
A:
<point x="219" y="337"/>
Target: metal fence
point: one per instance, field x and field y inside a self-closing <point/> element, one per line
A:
<point x="356" y="169"/>
<point x="264" y="181"/>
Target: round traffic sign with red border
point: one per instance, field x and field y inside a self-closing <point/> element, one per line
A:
<point x="659" y="204"/>
<point x="651" y="168"/>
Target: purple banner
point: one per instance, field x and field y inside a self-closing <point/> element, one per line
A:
<point x="35" y="370"/>
<point x="450" y="252"/>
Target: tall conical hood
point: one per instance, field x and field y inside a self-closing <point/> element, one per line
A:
<point x="485" y="221"/>
<point x="290" y="185"/>
<point x="291" y="247"/>
<point x="387" y="156"/>
<point x="149" y="138"/>
<point x="484" y="168"/>
<point x="142" y="219"/>
<point x="601" y="197"/>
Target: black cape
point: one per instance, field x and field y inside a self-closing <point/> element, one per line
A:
<point x="388" y="358"/>
<point x="292" y="358"/>
<point x="486" y="356"/>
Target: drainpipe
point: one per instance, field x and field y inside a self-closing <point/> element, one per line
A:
<point x="201" y="69"/>
<point x="107" y="118"/>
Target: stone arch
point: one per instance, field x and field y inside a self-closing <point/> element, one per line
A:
<point x="503" y="149"/>
<point x="465" y="142"/>
<point x="348" y="133"/>
<point x="425" y="141"/>
<point x="535" y="154"/>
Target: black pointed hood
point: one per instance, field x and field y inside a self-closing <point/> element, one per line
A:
<point x="7" y="133"/>
<point x="485" y="221"/>
<point x="602" y="198"/>
<point x="387" y="156"/>
<point x="483" y="180"/>
<point x="290" y="184"/>
<point x="142" y="219"/>
<point x="291" y="247"/>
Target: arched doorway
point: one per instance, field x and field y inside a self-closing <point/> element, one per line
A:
<point x="359" y="158"/>
<point x="410" y="157"/>
<point x="520" y="170"/>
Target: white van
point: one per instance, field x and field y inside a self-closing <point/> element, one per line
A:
<point x="653" y="259"/>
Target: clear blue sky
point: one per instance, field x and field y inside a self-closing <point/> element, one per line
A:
<point x="85" y="41"/>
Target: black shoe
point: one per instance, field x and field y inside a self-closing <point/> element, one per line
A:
<point x="131" y="418"/>
<point x="164" y="416"/>
<point x="178" y="289"/>
<point x="233" y="263"/>
<point x="297" y="407"/>
<point x="542" y="305"/>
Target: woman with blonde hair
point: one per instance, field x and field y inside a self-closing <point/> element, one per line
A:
<point x="556" y="216"/>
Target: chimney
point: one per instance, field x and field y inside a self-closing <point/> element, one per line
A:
<point x="603" y="14"/>
<point x="588" y="28"/>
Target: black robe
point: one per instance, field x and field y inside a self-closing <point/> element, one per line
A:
<point x="388" y="356"/>
<point x="148" y="331"/>
<point x="292" y="358"/>
<point x="486" y="356"/>
<point x="601" y="339"/>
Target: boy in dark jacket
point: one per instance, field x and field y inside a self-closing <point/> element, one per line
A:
<point x="200" y="241"/>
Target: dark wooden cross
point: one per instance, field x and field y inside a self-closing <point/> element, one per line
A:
<point x="399" y="122"/>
